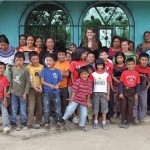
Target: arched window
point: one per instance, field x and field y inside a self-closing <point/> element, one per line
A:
<point x="48" y="20"/>
<point x="108" y="19"/>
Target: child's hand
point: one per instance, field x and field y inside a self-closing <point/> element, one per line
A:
<point x="89" y="105"/>
<point x="24" y="97"/>
<point x="56" y="87"/>
<point x="52" y="86"/>
<point x="8" y="94"/>
<point x="5" y="103"/>
<point x="121" y="96"/>
<point x="136" y="97"/>
<point x="39" y="90"/>
<point x="107" y="98"/>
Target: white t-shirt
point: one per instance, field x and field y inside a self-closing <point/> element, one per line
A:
<point x="100" y="81"/>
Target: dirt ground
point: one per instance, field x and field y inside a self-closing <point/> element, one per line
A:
<point x="134" y="138"/>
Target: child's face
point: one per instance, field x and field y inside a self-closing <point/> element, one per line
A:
<point x="19" y="62"/>
<point x="84" y="75"/>
<point x="34" y="60"/>
<point x="119" y="59"/>
<point x="100" y="67"/>
<point x="143" y="61"/>
<point x="72" y="48"/>
<point x="68" y="58"/>
<point x="104" y="56"/>
<point x="130" y="65"/>
<point x="84" y="55"/>
<point x="30" y="41"/>
<point x="90" y="59"/>
<point x="131" y="46"/>
<point x="2" y="70"/>
<point x="4" y="46"/>
<point x="124" y="46"/>
<point x="49" y="62"/>
<point x="61" y="56"/>
<point x="90" y="71"/>
<point x="38" y="43"/>
<point x="22" y="41"/>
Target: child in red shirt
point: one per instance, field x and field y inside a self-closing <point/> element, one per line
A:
<point x="81" y="90"/>
<point x="3" y="101"/>
<point x="140" y="106"/>
<point x="129" y="89"/>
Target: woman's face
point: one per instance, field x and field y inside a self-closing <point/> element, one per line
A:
<point x="30" y="41"/>
<point x="147" y="37"/>
<point x="38" y="43"/>
<point x="22" y="41"/>
<point x="4" y="46"/>
<point x="90" y="34"/>
<point x="49" y="43"/>
<point x="116" y="43"/>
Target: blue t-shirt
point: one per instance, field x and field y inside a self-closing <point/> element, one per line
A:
<point x="51" y="77"/>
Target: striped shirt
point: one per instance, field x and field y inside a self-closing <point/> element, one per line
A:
<point x="81" y="89"/>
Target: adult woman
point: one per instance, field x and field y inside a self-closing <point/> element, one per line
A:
<point x="145" y="46"/>
<point x="90" y="42"/>
<point x="39" y="42"/>
<point x="49" y="48"/>
<point x="115" y="46"/>
<point x="28" y="48"/>
<point x="6" y="55"/>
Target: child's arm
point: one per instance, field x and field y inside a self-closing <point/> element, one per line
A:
<point x="115" y="79"/>
<point x="47" y="84"/>
<point x="65" y="73"/>
<point x="72" y="79"/>
<point x="5" y="99"/>
<point x="72" y="96"/>
<point x="88" y="100"/>
<point x="121" y="90"/>
<point x="148" y="85"/>
<point x="108" y="91"/>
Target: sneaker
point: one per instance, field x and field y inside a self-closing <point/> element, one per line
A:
<point x="136" y="121"/>
<point x="127" y="125"/>
<point x="15" y="128"/>
<point x="25" y="127"/>
<point x="95" y="125"/>
<point x="84" y="129"/>
<point x="47" y="126"/>
<point x="6" y="130"/>
<point x="37" y="126"/>
<point x="141" y="119"/>
<point x="104" y="126"/>
<point x="122" y="124"/>
<point x="112" y="120"/>
<point x="75" y="120"/>
<point x="58" y="125"/>
<point x="65" y="124"/>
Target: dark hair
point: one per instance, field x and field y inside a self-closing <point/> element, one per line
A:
<point x="73" y="44"/>
<point x="29" y="36"/>
<point x="145" y="33"/>
<point x="99" y="61"/>
<point x="83" y="69"/>
<point x="53" y="56"/>
<point x="2" y="64"/>
<point x="90" y="67"/>
<point x="125" y="40"/>
<point x="120" y="54"/>
<point x="61" y="51"/>
<point x="91" y="53"/>
<point x="33" y="53"/>
<point x="130" y="60"/>
<point x="22" y="35"/>
<point x="115" y="37"/>
<point x="38" y="37"/>
<point x="104" y="49"/>
<point x="77" y="54"/>
<point x="4" y="39"/>
<point x="144" y="55"/>
<point x="19" y="55"/>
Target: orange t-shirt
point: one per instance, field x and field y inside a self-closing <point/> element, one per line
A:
<point x="63" y="66"/>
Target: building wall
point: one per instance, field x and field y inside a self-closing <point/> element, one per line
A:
<point x="10" y="14"/>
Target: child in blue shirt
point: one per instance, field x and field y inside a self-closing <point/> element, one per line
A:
<point x="50" y="79"/>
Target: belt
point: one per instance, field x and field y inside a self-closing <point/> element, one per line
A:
<point x="128" y="87"/>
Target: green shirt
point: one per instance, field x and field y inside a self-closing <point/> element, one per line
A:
<point x="20" y="83"/>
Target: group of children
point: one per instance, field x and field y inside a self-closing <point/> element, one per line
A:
<point x="70" y="84"/>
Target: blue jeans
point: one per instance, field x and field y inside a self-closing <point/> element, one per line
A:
<point x="16" y="100"/>
<point x="70" y="110"/>
<point x="48" y="99"/>
<point x="4" y="114"/>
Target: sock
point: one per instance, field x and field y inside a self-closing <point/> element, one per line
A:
<point x="103" y="122"/>
<point x="96" y="121"/>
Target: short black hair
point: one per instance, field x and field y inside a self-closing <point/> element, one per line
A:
<point x="120" y="54"/>
<point x="91" y="53"/>
<point x="73" y="44"/>
<point x="4" y="39"/>
<point x="19" y="55"/>
<point x="83" y="69"/>
<point x="51" y="55"/>
<point x="104" y="49"/>
<point x="33" y="53"/>
<point x="62" y="51"/>
<point x="144" y="55"/>
<point x="90" y="67"/>
<point x="130" y="60"/>
<point x="2" y="64"/>
<point x="99" y="61"/>
<point x="22" y="35"/>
